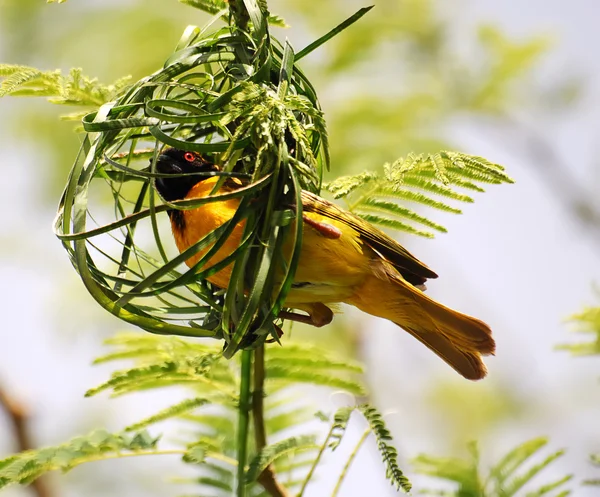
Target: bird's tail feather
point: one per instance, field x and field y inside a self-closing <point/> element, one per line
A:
<point x="458" y="339"/>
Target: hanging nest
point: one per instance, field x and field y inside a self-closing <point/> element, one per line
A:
<point x="240" y="101"/>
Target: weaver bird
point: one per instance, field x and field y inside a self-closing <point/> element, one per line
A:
<point x="343" y="258"/>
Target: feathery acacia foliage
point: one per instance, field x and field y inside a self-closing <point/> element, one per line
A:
<point x="25" y="467"/>
<point x="595" y="459"/>
<point x="586" y="321"/>
<point x="507" y="478"/>
<point x="213" y="381"/>
<point x="161" y="362"/>
<point x="418" y="179"/>
<point x="74" y="89"/>
<point x="338" y="426"/>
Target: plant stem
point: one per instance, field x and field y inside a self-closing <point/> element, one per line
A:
<point x="243" y="421"/>
<point x="349" y="462"/>
<point x="315" y="462"/>
<point x="267" y="477"/>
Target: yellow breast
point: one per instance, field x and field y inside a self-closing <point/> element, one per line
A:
<point x="201" y="221"/>
<point x="328" y="270"/>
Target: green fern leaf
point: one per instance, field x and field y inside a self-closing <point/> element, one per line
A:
<point x="439" y="167"/>
<point x="340" y="423"/>
<point x="388" y="453"/>
<point x="215" y="471"/>
<point x="272" y="452"/>
<point x="124" y="381"/>
<point x="287" y="375"/>
<point x="447" y="468"/>
<point x="299" y="463"/>
<point x="412" y="196"/>
<point x="212" y="425"/>
<point x="10" y="69"/>
<point x="307" y="355"/>
<point x="414" y="179"/>
<point x="432" y="187"/>
<point x="159" y="375"/>
<point x="74" y="89"/>
<point x="17" y="79"/>
<point x="487" y="171"/>
<point x="512" y="461"/>
<point x="393" y="223"/>
<point x="430" y="175"/>
<point x="25" y="467"/>
<point x="282" y="421"/>
<point x="216" y="483"/>
<point x="511" y="487"/>
<point x="133" y="353"/>
<point x="506" y="478"/>
<point x="172" y="411"/>
<point x="195" y="453"/>
<point x="345" y="185"/>
<point x="587" y="321"/>
<point x="391" y="208"/>
<point x="549" y="487"/>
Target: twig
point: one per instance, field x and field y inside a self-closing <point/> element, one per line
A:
<point x="243" y="421"/>
<point x="267" y="478"/>
<point x="316" y="462"/>
<point x="19" y="418"/>
<point x="349" y="462"/>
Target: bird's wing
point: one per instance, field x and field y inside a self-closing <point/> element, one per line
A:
<point x="411" y="268"/>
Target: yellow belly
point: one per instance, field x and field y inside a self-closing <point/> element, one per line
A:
<point x="328" y="270"/>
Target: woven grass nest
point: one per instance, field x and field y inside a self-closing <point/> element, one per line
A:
<point x="240" y="101"/>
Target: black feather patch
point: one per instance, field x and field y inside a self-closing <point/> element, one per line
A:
<point x="177" y="219"/>
<point x="181" y="168"/>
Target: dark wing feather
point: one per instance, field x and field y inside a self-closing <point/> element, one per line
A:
<point x="411" y="268"/>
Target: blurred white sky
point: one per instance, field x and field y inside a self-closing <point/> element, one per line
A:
<point x="515" y="259"/>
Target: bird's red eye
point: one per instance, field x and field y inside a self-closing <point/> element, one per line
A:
<point x="189" y="156"/>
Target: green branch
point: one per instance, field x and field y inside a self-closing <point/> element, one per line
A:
<point x="267" y="477"/>
<point x="243" y="421"/>
<point x="349" y="462"/>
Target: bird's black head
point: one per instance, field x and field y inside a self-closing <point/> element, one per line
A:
<point x="184" y="163"/>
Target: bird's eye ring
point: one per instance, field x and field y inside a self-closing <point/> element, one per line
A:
<point x="189" y="156"/>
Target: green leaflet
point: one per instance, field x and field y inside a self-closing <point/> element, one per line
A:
<point x="170" y="412"/>
<point x="416" y="179"/>
<point x="506" y="478"/>
<point x="277" y="450"/>
<point x="25" y="467"/>
<point x="587" y="321"/>
<point x="388" y="453"/>
<point x="73" y="89"/>
<point x="383" y="438"/>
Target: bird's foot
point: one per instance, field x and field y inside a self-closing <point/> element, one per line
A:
<point x="318" y="314"/>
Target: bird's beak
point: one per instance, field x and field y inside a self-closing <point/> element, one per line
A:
<point x="165" y="165"/>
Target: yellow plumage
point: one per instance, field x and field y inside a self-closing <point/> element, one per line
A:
<point x="345" y="259"/>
